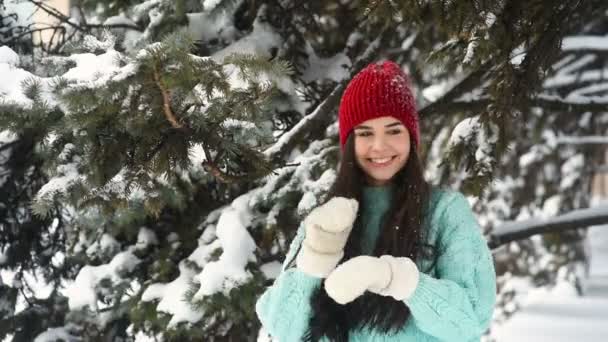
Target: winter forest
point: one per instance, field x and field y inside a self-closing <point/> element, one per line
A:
<point x="157" y="156"/>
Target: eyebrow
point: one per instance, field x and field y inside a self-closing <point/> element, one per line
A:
<point x="396" y="123"/>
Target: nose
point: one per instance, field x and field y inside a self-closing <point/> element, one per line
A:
<point x="378" y="144"/>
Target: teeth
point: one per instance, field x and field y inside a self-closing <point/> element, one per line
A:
<point x="382" y="160"/>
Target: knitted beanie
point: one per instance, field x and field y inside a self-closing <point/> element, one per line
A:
<point x="380" y="89"/>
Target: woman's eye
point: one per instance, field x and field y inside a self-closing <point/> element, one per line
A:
<point x="394" y="131"/>
<point x="364" y="134"/>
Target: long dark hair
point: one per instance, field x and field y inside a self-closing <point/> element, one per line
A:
<point x="402" y="234"/>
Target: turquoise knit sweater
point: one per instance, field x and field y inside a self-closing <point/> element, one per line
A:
<point x="453" y="302"/>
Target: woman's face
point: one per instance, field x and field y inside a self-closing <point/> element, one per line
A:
<point x="382" y="147"/>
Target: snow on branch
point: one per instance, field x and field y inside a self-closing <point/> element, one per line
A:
<point x="585" y="43"/>
<point x="585" y="140"/>
<point x="447" y="103"/>
<point x="287" y="140"/>
<point x="551" y="102"/>
<point x="322" y="114"/>
<point x="572" y="103"/>
<point x="519" y="230"/>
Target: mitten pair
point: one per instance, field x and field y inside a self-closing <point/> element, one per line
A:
<point x="327" y="230"/>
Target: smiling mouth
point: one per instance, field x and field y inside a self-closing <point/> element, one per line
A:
<point x="381" y="161"/>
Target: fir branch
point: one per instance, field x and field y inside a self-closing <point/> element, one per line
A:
<point x="166" y="99"/>
<point x="446" y="102"/>
<point x="322" y="115"/>
<point x="222" y="176"/>
<point x="210" y="165"/>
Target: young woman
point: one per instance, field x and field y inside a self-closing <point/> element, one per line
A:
<point x="386" y="258"/>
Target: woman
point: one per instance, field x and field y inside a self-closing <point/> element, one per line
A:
<point x="386" y="258"/>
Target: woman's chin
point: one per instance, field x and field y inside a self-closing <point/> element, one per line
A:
<point x="379" y="179"/>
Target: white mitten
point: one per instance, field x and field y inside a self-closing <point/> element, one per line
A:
<point x="386" y="276"/>
<point x="327" y="229"/>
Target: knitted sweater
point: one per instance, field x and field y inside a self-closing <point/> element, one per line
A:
<point x="452" y="302"/>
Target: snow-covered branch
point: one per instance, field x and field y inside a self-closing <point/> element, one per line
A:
<point x="519" y="230"/>
<point x="549" y="102"/>
<point x="585" y="140"/>
<point x="447" y="103"/>
<point x="322" y="115"/>
<point x="571" y="103"/>
<point x="593" y="43"/>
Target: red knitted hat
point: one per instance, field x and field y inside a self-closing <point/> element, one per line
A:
<point x="378" y="90"/>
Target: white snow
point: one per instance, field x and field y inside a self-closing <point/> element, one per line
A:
<point x="470" y="52"/>
<point x="172" y="297"/>
<point x="55" y="334"/>
<point x="551" y="206"/>
<point x="91" y="71"/>
<point x="271" y="270"/>
<point x="145" y="238"/>
<point x="258" y="42"/>
<point x="68" y="175"/>
<point x="285" y="138"/>
<point x="82" y="291"/>
<point x="463" y="130"/>
<point x="119" y="20"/>
<point x="571" y="170"/>
<point x="8" y="56"/>
<point x="97" y="70"/>
<point x="196" y="155"/>
<point x="436" y="90"/>
<point x="333" y="68"/>
<point x="515" y="226"/>
<point x="5" y="138"/>
<point x="106" y="244"/>
<point x="307" y="202"/>
<point x="237" y="246"/>
<point x="568" y="75"/>
<point x="597" y="43"/>
<point x="433" y="168"/>
<point x="490" y="19"/>
<point x="230" y="236"/>
<point x="23" y="9"/>
<point x="518" y="55"/>
<point x="210" y="4"/>
<point x="559" y="314"/>
<point x="471" y="127"/>
<point x="202" y="254"/>
<point x="12" y="79"/>
<point x="233" y="123"/>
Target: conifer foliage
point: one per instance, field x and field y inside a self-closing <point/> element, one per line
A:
<point x="156" y="160"/>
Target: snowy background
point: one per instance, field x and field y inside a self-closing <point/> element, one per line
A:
<point x="560" y="313"/>
<point x="150" y="184"/>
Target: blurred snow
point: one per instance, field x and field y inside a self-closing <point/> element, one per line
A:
<point x="561" y="315"/>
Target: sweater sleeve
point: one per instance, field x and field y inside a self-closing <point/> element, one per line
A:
<point x="284" y="308"/>
<point x="458" y="304"/>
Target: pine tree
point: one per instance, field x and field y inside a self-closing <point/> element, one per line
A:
<point x="165" y="153"/>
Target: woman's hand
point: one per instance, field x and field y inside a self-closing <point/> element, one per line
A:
<point x="327" y="229"/>
<point x="386" y="276"/>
